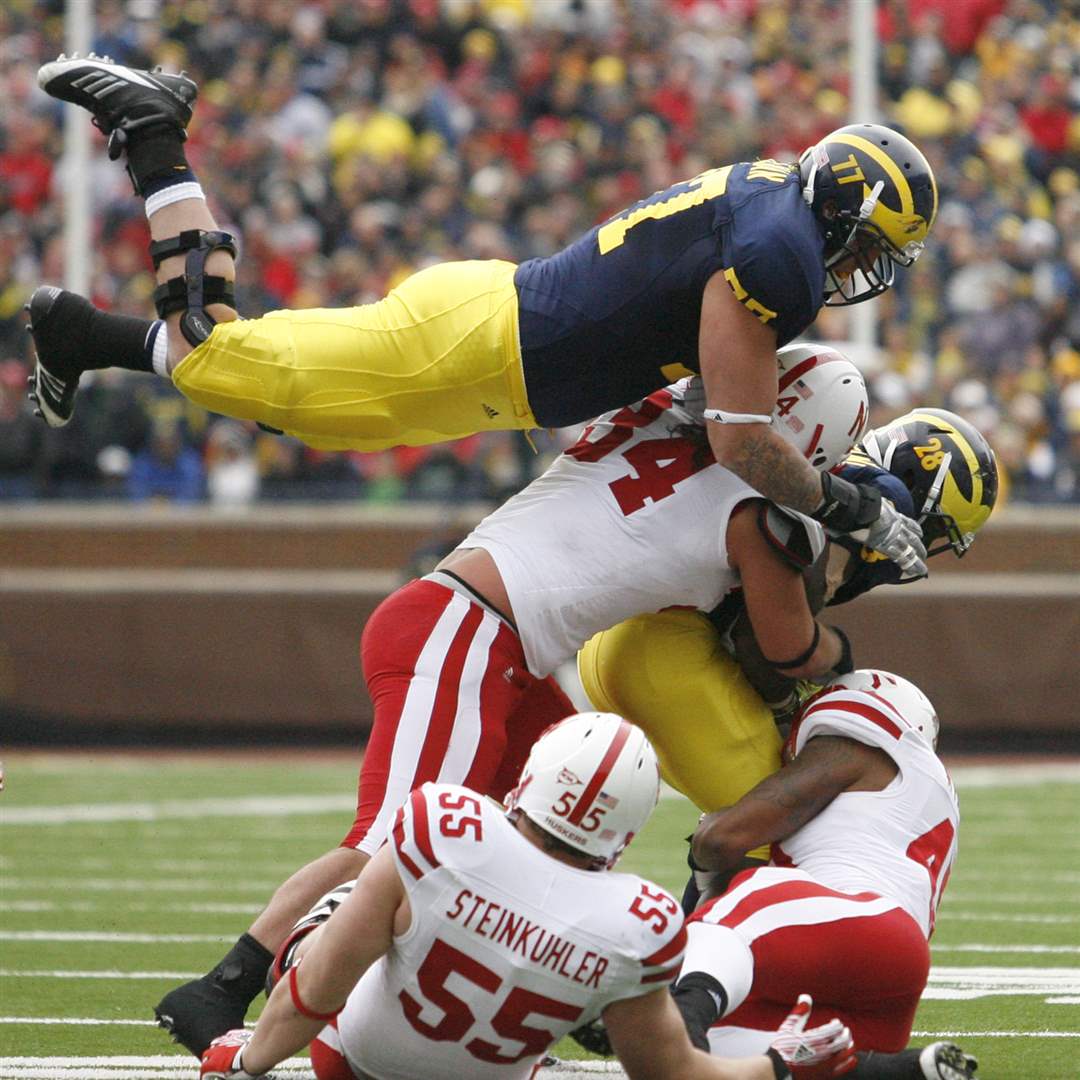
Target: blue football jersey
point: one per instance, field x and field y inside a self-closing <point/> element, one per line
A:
<point x="616" y="315"/>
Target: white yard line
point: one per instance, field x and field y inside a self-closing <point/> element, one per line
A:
<point x="111" y="936"/>
<point x="978" y="948"/>
<point x="247" y="806"/>
<point x="10" y="973"/>
<point x="980" y="916"/>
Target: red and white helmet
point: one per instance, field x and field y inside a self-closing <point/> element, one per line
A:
<point x="591" y="780"/>
<point x="821" y="407"/>
<point x="905" y="700"/>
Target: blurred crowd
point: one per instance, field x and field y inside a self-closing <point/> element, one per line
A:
<point x="350" y="142"/>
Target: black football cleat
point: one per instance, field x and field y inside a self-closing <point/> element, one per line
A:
<point x="946" y="1061"/>
<point x="55" y="379"/>
<point x="122" y="99"/>
<point x="197" y="1013"/>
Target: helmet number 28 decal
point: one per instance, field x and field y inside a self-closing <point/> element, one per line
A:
<point x="931" y="455"/>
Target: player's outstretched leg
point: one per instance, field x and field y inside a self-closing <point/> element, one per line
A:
<point x="145" y="115"/>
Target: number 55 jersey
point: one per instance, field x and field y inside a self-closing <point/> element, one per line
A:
<point x="508" y="949"/>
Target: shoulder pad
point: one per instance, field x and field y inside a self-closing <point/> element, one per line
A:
<point x="660" y="934"/>
<point x="798" y="539"/>
<point x="852" y="715"/>
<point x="410" y="836"/>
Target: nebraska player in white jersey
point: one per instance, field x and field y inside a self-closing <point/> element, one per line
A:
<point x="636" y="517"/>
<point x="863" y="824"/>
<point x="477" y="937"/>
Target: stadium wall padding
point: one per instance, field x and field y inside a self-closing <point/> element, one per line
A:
<point x="202" y="622"/>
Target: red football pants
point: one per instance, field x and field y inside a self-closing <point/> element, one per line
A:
<point x="327" y="1060"/>
<point x="454" y="703"/>
<point x="861" y="957"/>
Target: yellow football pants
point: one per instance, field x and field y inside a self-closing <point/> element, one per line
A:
<point x="438" y="358"/>
<point x="669" y="674"/>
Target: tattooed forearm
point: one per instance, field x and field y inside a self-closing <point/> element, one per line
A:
<point x="768" y="464"/>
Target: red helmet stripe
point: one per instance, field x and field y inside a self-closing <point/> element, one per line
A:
<point x="602" y="773"/>
<point x="799" y="370"/>
<point x="814" y="441"/>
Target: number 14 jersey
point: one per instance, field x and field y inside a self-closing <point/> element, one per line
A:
<point x="508" y="950"/>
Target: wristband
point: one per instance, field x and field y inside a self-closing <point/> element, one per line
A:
<point x="804" y="655"/>
<point x="845" y="665"/>
<point x="300" y="1007"/>
<point x="719" y="416"/>
<point x="779" y="1065"/>
<point x="846" y="506"/>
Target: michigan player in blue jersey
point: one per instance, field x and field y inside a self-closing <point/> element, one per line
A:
<point x="711" y="275"/>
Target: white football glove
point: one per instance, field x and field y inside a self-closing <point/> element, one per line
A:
<point x="221" y="1059"/>
<point x="897" y="536"/>
<point x="817" y="1053"/>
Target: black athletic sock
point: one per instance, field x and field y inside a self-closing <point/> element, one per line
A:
<point x="75" y="337"/>
<point x="155" y="154"/>
<point x="876" y="1066"/>
<point x="241" y="974"/>
<point x="701" y="1001"/>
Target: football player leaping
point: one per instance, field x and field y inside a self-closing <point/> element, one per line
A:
<point x="863" y="823"/>
<point x="635" y="517"/>
<point x="711" y="275"/>
<point x="478" y="936"/>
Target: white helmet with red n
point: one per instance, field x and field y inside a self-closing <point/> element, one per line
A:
<point x="821" y="407"/>
<point x="906" y="702"/>
<point x="591" y="781"/>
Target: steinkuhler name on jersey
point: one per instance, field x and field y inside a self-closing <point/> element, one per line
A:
<point x="527" y="939"/>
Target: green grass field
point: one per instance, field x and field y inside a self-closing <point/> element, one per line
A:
<point x="122" y="875"/>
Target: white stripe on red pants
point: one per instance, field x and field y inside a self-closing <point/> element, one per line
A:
<point x="453" y="703"/>
<point x="859" y="955"/>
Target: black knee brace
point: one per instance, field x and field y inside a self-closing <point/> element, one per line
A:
<point x="192" y="292"/>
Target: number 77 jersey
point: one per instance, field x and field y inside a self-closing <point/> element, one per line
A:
<point x="508" y="950"/>
<point x="631" y="519"/>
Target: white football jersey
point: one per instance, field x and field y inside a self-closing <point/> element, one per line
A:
<point x="899" y="842"/>
<point x="509" y="949"/>
<point x="631" y="519"/>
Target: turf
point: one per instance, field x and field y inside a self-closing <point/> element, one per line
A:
<point x="98" y="918"/>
